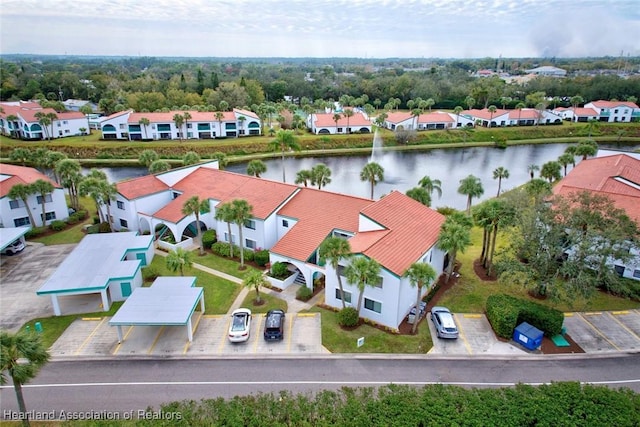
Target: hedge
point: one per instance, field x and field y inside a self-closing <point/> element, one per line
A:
<point x="505" y="312"/>
<point x="209" y="238"/>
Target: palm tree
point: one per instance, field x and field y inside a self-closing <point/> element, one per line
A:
<point x="565" y="160"/>
<point x="429" y="102"/>
<point x="144" y="122"/>
<point x="431" y="185"/>
<point x="241" y="211"/>
<point x="178" y="259"/>
<point x="592" y="125"/>
<point x="224" y="213"/>
<point x="362" y="272"/>
<point x="303" y="177"/>
<point x="190" y="158"/>
<point x="471" y="186"/>
<point x="576" y="100"/>
<point x="285" y="140"/>
<point x="186" y="116"/>
<point x="219" y="116"/>
<point x="505" y="100"/>
<point x="336" y="119"/>
<point x="320" y="175"/>
<point x="256" y="168"/>
<point x="221" y="158"/>
<point x="147" y="157"/>
<point x="532" y="169"/>
<point x="254" y="280"/>
<point x="195" y="206"/>
<point x="91" y="186"/>
<point x="470" y="101"/>
<point x="419" y="194"/>
<point x="21" y="356"/>
<point x="457" y="112"/>
<point x="108" y="193"/>
<point x="348" y="113"/>
<point x="51" y="160"/>
<point x="159" y="166"/>
<point x="492" y="109"/>
<point x="70" y="173"/>
<point x="551" y="171"/>
<point x="20" y="155"/>
<point x="454" y="237"/>
<point x="332" y="250"/>
<point x="42" y="188"/>
<point x="500" y="173"/>
<point x="419" y="274"/>
<point x="178" y="119"/>
<point x="22" y="192"/>
<point x="224" y="105"/>
<point x="241" y="120"/>
<point x="415" y="113"/>
<point x="519" y="107"/>
<point x="587" y="148"/>
<point x="373" y="173"/>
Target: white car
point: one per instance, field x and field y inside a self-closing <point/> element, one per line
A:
<point x="240" y="325"/>
<point x="14" y="248"/>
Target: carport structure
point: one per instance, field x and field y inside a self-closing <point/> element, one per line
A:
<point x="170" y="301"/>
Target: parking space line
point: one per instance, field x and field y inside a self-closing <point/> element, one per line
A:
<point x="155" y="341"/>
<point x="86" y="341"/>
<point x="224" y="337"/>
<point x="472" y="316"/>
<point x="596" y="330"/>
<point x="306" y="314"/>
<point x="626" y="328"/>
<point x="289" y="334"/>
<point x="255" y="344"/>
<point x="568" y="314"/>
<point x="123" y="338"/>
<point x="464" y="339"/>
<point x="620" y="312"/>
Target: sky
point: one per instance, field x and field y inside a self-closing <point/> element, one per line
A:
<point x="322" y="28"/>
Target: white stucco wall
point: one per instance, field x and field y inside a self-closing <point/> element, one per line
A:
<point x="58" y="205"/>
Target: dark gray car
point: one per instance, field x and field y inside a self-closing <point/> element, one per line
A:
<point x="274" y="325"/>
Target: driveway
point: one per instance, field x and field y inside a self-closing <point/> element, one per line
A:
<point x="605" y="331"/>
<point x="21" y="275"/>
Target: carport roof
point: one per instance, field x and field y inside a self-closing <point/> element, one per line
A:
<point x="97" y="259"/>
<point x="169" y="301"/>
<point x="9" y="235"/>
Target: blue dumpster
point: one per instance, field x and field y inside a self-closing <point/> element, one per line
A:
<point x="528" y="336"/>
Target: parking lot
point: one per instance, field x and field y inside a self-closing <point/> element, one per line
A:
<point x="605" y="331"/>
<point x="94" y="337"/>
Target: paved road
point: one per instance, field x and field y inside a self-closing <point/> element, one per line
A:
<point x="125" y="385"/>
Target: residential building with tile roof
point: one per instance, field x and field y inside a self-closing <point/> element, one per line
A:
<point x="292" y="222"/>
<point x="20" y="120"/>
<point x="199" y="125"/>
<point x="13" y="213"/>
<point x="324" y="123"/>
<point x="616" y="177"/>
<point x="615" y="111"/>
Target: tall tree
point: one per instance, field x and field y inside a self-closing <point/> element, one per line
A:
<point x="332" y="250"/>
<point x="532" y="168"/>
<point x="224" y="213"/>
<point x="431" y="185"/>
<point x="22" y="192"/>
<point x="256" y="168"/>
<point x="551" y="171"/>
<point x="348" y="113"/>
<point x="178" y="260"/>
<point x="22" y="355"/>
<point x="419" y="194"/>
<point x="336" y="119"/>
<point x="159" y="166"/>
<point x="43" y="188"/>
<point x="144" y="122"/>
<point x="492" y="110"/>
<point x="219" y="117"/>
<point x="51" y="160"/>
<point x="519" y="107"/>
<point x="20" y="155"/>
<point x="471" y="186"/>
<point x="195" y="206"/>
<point x="565" y="160"/>
<point x="147" y="157"/>
<point x="190" y="158"/>
<point x="362" y="272"/>
<point x="92" y="187"/>
<point x="587" y="148"/>
<point x="491" y="216"/>
<point x="70" y="173"/>
<point x="457" y="112"/>
<point x="178" y="120"/>
<point x="221" y="158"/>
<point x="500" y="173"/>
<point x="285" y="140"/>
<point x="186" y="116"/>
<point x="320" y="175"/>
<point x="303" y="177"/>
<point x="242" y="212"/>
<point x="420" y="274"/>
<point x="454" y="238"/>
<point x="373" y="173"/>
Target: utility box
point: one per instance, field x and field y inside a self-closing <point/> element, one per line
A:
<point x="528" y="336"/>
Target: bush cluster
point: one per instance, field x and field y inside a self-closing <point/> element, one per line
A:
<point x="209" y="238"/>
<point x="223" y="249"/>
<point x="280" y="271"/>
<point x="304" y="293"/>
<point x="150" y="273"/>
<point x="57" y="225"/>
<point x="505" y="312"/>
<point x="104" y="227"/>
<point x="34" y="232"/>
<point x="348" y="317"/>
<point x="261" y="257"/>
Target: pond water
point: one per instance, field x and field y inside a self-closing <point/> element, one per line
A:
<point x="403" y="170"/>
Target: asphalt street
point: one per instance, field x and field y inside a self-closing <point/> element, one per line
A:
<point x="124" y="385"/>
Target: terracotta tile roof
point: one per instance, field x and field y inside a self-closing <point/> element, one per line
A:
<point x="484" y="113"/>
<point x="413" y="230"/>
<point x="118" y="114"/>
<point x="616" y="176"/>
<point x="326" y="120"/>
<point x="264" y="195"/>
<point x="245" y="113"/>
<point x="20" y="175"/>
<point x="318" y="213"/>
<point x="525" y="113"/>
<point x="196" y="116"/>
<point x="581" y="112"/>
<point x="613" y="104"/>
<point x="397" y="117"/>
<point x="137" y="187"/>
<point x="71" y="115"/>
<point x="435" y="117"/>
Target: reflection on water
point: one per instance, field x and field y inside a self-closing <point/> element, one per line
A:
<point x="403" y="170"/>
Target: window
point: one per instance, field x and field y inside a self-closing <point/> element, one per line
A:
<point x="124" y="223"/>
<point x="189" y="125"/>
<point x="341" y="270"/>
<point x="226" y="238"/>
<point x="47" y="199"/>
<point x="347" y="295"/>
<point x="636" y="274"/>
<point x="49" y="216"/>
<point x="121" y="125"/>
<point x="339" y="130"/>
<point x="378" y="283"/>
<point x="285" y="223"/>
<point x="64" y="122"/>
<point x="20" y="222"/>
<point x="120" y="204"/>
<point x="372" y="305"/>
<point x="248" y="243"/>
<point x="250" y="224"/>
<point x="15" y="204"/>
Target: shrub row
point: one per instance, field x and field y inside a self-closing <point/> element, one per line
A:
<point x="209" y="238"/>
<point x="223" y="249"/>
<point x="506" y="312"/>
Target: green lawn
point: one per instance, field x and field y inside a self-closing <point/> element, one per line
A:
<point x="271" y="302"/>
<point x="219" y="263"/>
<point x="337" y="340"/>
<point x="470" y="293"/>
